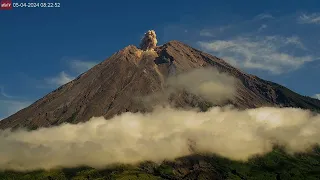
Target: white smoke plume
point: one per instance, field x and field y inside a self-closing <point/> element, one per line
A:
<point x="149" y="41"/>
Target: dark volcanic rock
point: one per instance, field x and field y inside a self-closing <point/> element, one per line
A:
<point x="112" y="87"/>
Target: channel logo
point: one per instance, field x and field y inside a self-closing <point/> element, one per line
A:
<point x="6" y="4"/>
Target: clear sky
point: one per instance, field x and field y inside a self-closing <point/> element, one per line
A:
<point x="41" y="48"/>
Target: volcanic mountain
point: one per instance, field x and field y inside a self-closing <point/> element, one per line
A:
<point x="113" y="87"/>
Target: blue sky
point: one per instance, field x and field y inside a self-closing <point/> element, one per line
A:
<point x="41" y="49"/>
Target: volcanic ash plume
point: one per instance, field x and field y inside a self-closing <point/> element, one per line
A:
<point x="149" y="41"/>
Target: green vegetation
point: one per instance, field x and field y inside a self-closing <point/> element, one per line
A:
<point x="72" y="118"/>
<point x="276" y="165"/>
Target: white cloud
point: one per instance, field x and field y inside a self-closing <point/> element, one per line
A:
<point x="317" y="96"/>
<point x="164" y="134"/>
<point x="10" y="104"/>
<point x="3" y="93"/>
<point x="81" y="66"/>
<point x="264" y="16"/>
<point x="309" y="18"/>
<point x="294" y="40"/>
<point x="215" y="32"/>
<point x="76" y="66"/>
<point x="265" y="53"/>
<point x="60" y="79"/>
<point x="263" y="26"/>
<point x="9" y="107"/>
<point x="206" y="33"/>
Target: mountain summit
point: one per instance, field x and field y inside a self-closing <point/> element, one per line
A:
<point x="115" y="86"/>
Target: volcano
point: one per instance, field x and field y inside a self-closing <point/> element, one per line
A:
<point x="160" y="132"/>
<point x="112" y="88"/>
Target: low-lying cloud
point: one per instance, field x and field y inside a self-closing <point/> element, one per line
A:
<point x="165" y="133"/>
<point x="208" y="83"/>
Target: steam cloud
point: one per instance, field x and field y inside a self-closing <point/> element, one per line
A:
<point x="165" y="133"/>
<point x="149" y="41"/>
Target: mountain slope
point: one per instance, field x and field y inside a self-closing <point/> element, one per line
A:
<point x="112" y="87"/>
